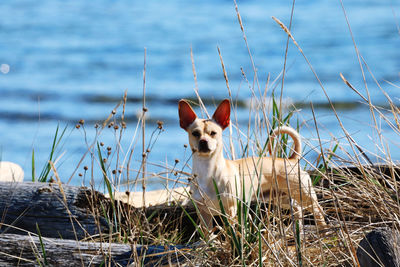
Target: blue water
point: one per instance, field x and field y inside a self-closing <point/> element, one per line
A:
<point x="74" y="60"/>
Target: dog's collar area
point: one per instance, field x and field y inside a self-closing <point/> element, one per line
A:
<point x="204" y="154"/>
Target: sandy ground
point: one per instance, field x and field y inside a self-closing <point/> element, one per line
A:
<point x="153" y="198"/>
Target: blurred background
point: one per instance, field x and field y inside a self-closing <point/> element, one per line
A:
<point x="63" y="61"/>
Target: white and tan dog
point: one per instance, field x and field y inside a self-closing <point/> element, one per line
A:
<point x="232" y="176"/>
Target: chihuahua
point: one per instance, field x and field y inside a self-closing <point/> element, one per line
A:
<point x="233" y="178"/>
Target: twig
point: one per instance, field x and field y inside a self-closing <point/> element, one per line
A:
<point x="196" y="87"/>
<point x="144" y="109"/>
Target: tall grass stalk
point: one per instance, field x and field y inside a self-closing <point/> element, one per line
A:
<point x="144" y="152"/>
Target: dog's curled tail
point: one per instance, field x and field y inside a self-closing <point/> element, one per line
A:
<point x="293" y="134"/>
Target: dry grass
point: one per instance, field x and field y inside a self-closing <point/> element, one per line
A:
<point x="356" y="199"/>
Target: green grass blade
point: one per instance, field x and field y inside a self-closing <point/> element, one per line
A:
<point x="42" y="246"/>
<point x="104" y="171"/>
<point x="199" y="230"/>
<point x="196" y="225"/>
<point x="46" y="169"/>
<point x="33" y="166"/>
<point x="298" y="244"/>
<point x="108" y="186"/>
<point x="224" y="217"/>
<point x="322" y="168"/>
<point x="43" y="177"/>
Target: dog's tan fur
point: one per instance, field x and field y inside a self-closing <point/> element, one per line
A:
<point x="231" y="176"/>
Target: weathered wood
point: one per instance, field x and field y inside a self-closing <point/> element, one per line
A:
<point x="73" y="212"/>
<point x="381" y="247"/>
<point x="27" y="251"/>
<point x="69" y="213"/>
<point x="19" y="250"/>
<point x="66" y="212"/>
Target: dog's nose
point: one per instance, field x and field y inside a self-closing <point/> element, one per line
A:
<point x="203" y="146"/>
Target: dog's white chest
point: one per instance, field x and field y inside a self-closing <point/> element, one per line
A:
<point x="207" y="175"/>
<point x="204" y="174"/>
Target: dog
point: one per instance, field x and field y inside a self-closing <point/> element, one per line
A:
<point x="233" y="177"/>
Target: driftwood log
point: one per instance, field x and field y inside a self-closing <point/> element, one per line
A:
<point x="66" y="212"/>
<point x="19" y="250"/>
<point x="76" y="213"/>
<point x="25" y="250"/>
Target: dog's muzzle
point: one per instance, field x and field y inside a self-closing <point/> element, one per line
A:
<point x="203" y="146"/>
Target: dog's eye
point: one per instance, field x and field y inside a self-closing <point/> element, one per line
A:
<point x="213" y="133"/>
<point x="196" y="134"/>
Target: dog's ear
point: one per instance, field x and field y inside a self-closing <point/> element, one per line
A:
<point x="186" y="114"/>
<point x="222" y="114"/>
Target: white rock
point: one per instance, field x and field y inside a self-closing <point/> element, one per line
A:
<point x="10" y="172"/>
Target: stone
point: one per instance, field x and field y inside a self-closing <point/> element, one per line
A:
<point x="380" y="247"/>
<point x="11" y="172"/>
